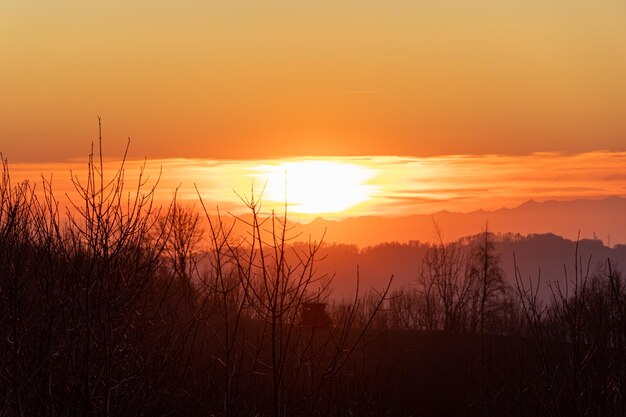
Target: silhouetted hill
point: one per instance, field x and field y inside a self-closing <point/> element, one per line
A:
<point x="546" y="252"/>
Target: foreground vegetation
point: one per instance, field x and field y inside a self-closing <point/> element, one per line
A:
<point x="104" y="310"/>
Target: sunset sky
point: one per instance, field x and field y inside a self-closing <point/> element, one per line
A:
<point x="340" y="187"/>
<point x="528" y="97"/>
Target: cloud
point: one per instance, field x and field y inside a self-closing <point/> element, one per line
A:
<point x="403" y="184"/>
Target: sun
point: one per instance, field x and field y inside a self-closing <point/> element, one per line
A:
<point x="316" y="186"/>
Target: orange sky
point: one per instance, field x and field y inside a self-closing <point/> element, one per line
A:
<point x="358" y="186"/>
<point x="262" y="79"/>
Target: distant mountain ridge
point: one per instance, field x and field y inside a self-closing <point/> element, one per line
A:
<point x="604" y="219"/>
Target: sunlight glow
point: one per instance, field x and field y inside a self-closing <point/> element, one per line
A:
<point x="316" y="186"/>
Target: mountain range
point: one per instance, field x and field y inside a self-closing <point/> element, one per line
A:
<point x="603" y="219"/>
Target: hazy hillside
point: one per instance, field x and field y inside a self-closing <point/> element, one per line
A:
<point x="548" y="252"/>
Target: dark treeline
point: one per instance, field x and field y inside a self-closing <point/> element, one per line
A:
<point x="106" y="309"/>
<point x="517" y="352"/>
